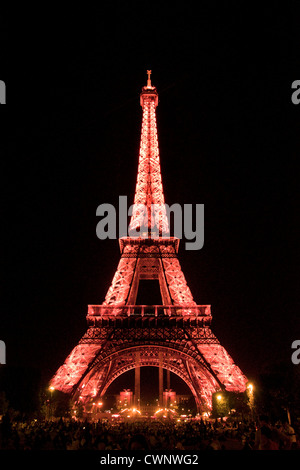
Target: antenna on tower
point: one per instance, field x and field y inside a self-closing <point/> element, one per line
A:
<point x="149" y="79"/>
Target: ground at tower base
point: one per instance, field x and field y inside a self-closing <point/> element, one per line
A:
<point x="149" y="436"/>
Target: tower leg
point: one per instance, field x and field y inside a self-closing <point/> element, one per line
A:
<point x="160" y="381"/>
<point x="137" y="382"/>
<point x="168" y="387"/>
<point x="168" y="380"/>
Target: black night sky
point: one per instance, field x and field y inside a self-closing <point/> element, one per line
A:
<point x="228" y="136"/>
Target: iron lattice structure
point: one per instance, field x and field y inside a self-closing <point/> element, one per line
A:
<point x="122" y="335"/>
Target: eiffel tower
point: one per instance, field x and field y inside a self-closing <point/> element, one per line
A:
<point x="121" y="335"/>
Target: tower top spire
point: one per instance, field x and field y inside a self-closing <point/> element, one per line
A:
<point x="149" y="79"/>
<point x="149" y="92"/>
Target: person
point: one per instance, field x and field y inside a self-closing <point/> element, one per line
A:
<point x="263" y="421"/>
<point x="214" y="444"/>
<point x="266" y="442"/>
<point x="274" y="434"/>
<point x="246" y="442"/>
<point x="288" y="431"/>
<point x="138" y="442"/>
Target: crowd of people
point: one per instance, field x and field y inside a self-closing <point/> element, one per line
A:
<point x="146" y="435"/>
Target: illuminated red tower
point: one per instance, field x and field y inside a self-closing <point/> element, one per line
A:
<point x="175" y="335"/>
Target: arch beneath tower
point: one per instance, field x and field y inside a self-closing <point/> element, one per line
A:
<point x="106" y="368"/>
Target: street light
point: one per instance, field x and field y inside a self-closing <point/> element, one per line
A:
<point x="221" y="404"/>
<point x="250" y="393"/>
<point x="51" y="389"/>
